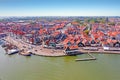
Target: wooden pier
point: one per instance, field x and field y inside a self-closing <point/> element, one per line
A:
<point x="87" y="59"/>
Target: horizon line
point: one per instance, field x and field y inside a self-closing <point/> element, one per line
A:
<point x="62" y="16"/>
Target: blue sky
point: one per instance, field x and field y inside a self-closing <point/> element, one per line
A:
<point x="59" y="7"/>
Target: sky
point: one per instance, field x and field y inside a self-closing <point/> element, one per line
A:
<point x="59" y="7"/>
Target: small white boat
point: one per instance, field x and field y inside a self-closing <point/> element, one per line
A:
<point x="12" y="51"/>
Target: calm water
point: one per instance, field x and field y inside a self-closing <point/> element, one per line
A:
<point x="17" y="67"/>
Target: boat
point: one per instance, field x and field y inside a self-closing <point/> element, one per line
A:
<point x="28" y="53"/>
<point x="12" y="51"/>
<point x="25" y="53"/>
<point x="72" y="50"/>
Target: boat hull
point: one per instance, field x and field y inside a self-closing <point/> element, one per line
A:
<point x="13" y="51"/>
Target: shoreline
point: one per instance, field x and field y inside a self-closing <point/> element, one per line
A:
<point x="40" y="51"/>
<point x="36" y="50"/>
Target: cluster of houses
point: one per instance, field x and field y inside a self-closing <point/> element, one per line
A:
<point x="68" y="34"/>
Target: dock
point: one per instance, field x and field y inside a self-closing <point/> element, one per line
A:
<point x="87" y="59"/>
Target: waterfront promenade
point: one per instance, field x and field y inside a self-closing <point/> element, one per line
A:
<point x="40" y="51"/>
<point x="37" y="50"/>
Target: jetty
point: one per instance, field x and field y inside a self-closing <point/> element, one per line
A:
<point x="87" y="59"/>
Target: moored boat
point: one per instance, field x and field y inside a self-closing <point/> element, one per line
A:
<point x="12" y="51"/>
<point x="25" y="53"/>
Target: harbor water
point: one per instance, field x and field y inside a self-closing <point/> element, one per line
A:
<point x="18" y="67"/>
